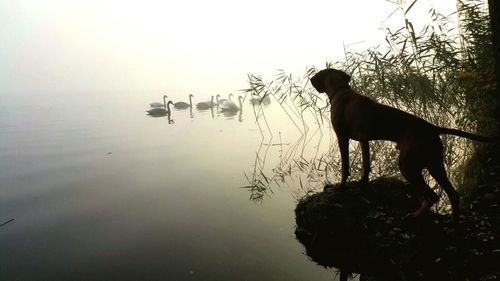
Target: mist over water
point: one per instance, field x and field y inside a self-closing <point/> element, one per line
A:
<point x="100" y="190"/>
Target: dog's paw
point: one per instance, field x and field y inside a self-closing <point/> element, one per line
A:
<point x="328" y="186"/>
<point x="411" y="216"/>
<point x="333" y="186"/>
<point x="415" y="216"/>
<point x="363" y="181"/>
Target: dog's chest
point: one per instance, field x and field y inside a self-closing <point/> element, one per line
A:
<point x="340" y="125"/>
<point x="348" y="124"/>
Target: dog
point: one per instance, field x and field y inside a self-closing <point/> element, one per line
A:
<point x="360" y="118"/>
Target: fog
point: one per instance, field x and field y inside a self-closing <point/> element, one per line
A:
<point x="175" y="46"/>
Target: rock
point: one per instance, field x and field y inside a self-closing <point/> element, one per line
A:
<point x="363" y="228"/>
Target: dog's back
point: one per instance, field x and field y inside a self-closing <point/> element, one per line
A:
<point x="365" y="119"/>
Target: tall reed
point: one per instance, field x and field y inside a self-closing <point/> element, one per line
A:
<point x="444" y="74"/>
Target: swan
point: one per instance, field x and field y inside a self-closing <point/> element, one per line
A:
<point x="265" y="100"/>
<point x="220" y="101"/>
<point x="184" y="105"/>
<point x="206" y="105"/>
<point x="231" y="105"/>
<point x="159" y="104"/>
<point x="156" y="112"/>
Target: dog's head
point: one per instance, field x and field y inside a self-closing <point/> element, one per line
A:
<point x="329" y="80"/>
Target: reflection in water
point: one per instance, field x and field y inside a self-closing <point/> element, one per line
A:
<point x="231" y="114"/>
<point x="292" y="164"/>
<point x="132" y="213"/>
<point x="170" y="120"/>
<point x="257" y="181"/>
<point x="363" y="229"/>
<point x="303" y="161"/>
<point x="156" y="115"/>
<point x="163" y="114"/>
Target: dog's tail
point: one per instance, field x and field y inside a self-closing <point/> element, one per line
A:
<point x="455" y="132"/>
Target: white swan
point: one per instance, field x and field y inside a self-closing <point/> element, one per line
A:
<point x="231" y="105"/>
<point x="159" y="104"/>
<point x="220" y="101"/>
<point x="206" y="105"/>
<point x="184" y="105"/>
<point x="258" y="100"/>
<point x="160" y="111"/>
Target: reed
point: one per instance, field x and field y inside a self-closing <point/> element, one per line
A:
<point x="443" y="73"/>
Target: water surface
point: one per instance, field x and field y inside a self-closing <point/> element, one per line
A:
<point x="100" y="191"/>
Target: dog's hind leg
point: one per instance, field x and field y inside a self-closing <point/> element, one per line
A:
<point x="411" y="166"/>
<point x="430" y="197"/>
<point x="438" y="172"/>
<point x="365" y="149"/>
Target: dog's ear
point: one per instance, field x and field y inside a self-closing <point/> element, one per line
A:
<point x="329" y="78"/>
<point x="344" y="76"/>
<point x="336" y="79"/>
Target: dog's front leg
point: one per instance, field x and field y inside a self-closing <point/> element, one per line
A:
<point x="344" y="156"/>
<point x="365" y="149"/>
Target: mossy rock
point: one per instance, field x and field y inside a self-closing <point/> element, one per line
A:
<point x="363" y="228"/>
<point x="354" y="223"/>
<point x="345" y="206"/>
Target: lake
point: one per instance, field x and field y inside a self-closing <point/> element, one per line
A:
<point x="98" y="190"/>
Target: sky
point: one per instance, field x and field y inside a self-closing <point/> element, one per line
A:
<point x="188" y="46"/>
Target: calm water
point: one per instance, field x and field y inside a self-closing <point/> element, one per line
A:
<point x="100" y="191"/>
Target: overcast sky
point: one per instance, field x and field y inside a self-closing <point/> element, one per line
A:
<point x="177" y="46"/>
